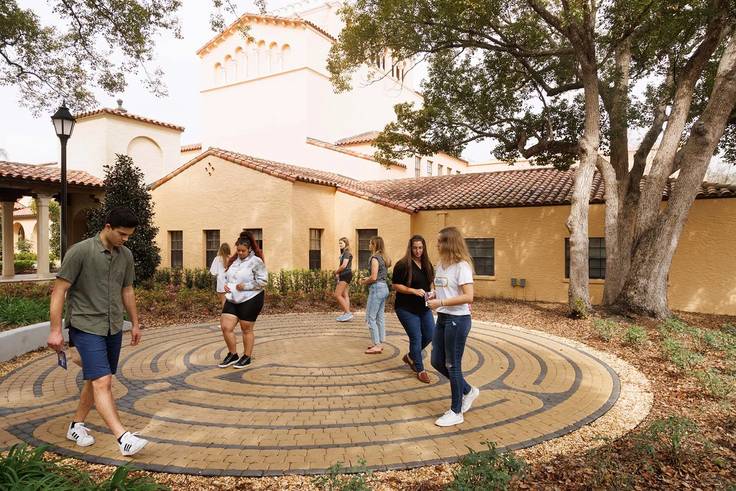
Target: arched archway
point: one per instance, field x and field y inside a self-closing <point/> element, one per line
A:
<point x="18" y="232"/>
<point x="147" y="155"/>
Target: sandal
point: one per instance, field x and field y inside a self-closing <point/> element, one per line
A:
<point x="373" y="351"/>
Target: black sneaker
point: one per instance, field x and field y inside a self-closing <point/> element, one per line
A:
<point x="229" y="360"/>
<point x="243" y="362"/>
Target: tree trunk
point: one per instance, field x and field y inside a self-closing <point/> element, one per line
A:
<point x="645" y="290"/>
<point x="577" y="222"/>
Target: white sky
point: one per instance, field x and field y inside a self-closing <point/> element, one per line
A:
<point x="32" y="140"/>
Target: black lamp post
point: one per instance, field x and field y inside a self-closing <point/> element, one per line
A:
<point x="63" y="125"/>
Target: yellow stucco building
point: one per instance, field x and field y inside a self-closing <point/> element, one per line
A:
<point x="514" y="220"/>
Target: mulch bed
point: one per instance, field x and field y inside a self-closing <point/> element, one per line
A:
<point x="706" y="461"/>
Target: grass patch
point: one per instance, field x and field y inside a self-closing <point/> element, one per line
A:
<point x="337" y="479"/>
<point x="489" y="469"/>
<point x="26" y="468"/>
<point x="679" y="355"/>
<point x="18" y="311"/>
<point x="716" y="383"/>
<point x="606" y="329"/>
<point x="669" y="439"/>
<point x="635" y="336"/>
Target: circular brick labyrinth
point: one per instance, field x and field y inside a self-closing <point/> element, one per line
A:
<point x="311" y="398"/>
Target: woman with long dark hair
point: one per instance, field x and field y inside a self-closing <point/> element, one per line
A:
<point x="245" y="279"/>
<point x="412" y="279"/>
<point x="453" y="284"/>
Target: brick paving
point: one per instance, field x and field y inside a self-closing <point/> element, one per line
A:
<point x="311" y="398"/>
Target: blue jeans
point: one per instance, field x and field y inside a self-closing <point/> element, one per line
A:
<point x="377" y="295"/>
<point x="420" y="329"/>
<point x="448" y="346"/>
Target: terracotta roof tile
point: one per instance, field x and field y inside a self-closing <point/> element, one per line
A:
<point x="269" y="18"/>
<point x="365" y="137"/>
<point x="512" y="188"/>
<point x="353" y="153"/>
<point x="45" y="173"/>
<point x="191" y="148"/>
<point x="293" y="173"/>
<point x="126" y="114"/>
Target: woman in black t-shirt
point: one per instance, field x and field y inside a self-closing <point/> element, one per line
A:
<point x="412" y="279"/>
<point x="343" y="275"/>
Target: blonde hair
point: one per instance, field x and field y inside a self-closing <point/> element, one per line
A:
<point x="224" y="253"/>
<point x="380" y="249"/>
<point x="347" y="243"/>
<point x="452" y="247"/>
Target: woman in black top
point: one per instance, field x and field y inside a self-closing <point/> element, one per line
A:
<point x="343" y="275"/>
<point x="412" y="280"/>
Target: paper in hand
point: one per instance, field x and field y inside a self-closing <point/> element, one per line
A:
<point x="62" y="359"/>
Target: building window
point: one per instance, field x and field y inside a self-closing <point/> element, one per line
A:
<point x="211" y="245"/>
<point x="417" y="165"/>
<point x="457" y="172"/>
<point x="364" y="250"/>
<point x="429" y="167"/>
<point x="481" y="250"/>
<point x="176" y="239"/>
<point x="315" y="248"/>
<point x="596" y="258"/>
<point x="257" y="234"/>
<point x="440" y="168"/>
<point x="449" y="171"/>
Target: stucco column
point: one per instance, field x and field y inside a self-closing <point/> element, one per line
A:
<point x="8" y="246"/>
<point x="42" y="241"/>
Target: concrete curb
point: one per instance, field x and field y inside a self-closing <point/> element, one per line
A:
<point x="21" y="340"/>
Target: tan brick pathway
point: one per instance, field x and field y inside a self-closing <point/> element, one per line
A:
<point x="311" y="398"/>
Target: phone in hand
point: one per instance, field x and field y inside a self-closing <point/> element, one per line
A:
<point x="61" y="359"/>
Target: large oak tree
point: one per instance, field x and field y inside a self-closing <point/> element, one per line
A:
<point x="566" y="82"/>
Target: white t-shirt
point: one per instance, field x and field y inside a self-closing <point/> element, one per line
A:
<point x="447" y="282"/>
<point x="218" y="269"/>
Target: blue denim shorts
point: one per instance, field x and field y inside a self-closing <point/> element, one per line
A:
<point x="99" y="354"/>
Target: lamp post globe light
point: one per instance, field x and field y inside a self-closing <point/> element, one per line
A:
<point x="63" y="125"/>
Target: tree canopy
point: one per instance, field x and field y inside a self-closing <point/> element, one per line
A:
<point x="563" y="82"/>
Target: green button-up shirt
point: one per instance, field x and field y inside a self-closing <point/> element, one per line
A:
<point x="94" y="302"/>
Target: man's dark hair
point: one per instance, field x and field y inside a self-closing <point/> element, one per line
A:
<point x="121" y="217"/>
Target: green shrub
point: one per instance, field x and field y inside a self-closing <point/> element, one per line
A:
<point x="605" y="329"/>
<point x="681" y="357"/>
<point x="18" y="311"/>
<point x="337" y="480"/>
<point x="715" y="383"/>
<point x="489" y="469"/>
<point x="26" y="469"/>
<point x="673" y="324"/>
<point x="668" y="438"/>
<point x="635" y="335"/>
<point x="23" y="245"/>
<point x="25" y="256"/>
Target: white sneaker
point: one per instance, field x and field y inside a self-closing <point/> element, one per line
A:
<point x="131" y="443"/>
<point x="469" y="398"/>
<point x="79" y="434"/>
<point x="348" y="316"/>
<point x="450" y="418"/>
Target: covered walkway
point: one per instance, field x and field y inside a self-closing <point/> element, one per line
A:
<point x="42" y="182"/>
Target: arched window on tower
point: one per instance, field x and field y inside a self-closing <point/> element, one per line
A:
<point x="231" y="70"/>
<point x="285" y="56"/>
<point x="242" y="63"/>
<point x="262" y="58"/>
<point x="274" y="58"/>
<point x="219" y="74"/>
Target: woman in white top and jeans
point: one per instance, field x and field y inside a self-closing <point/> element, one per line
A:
<point x="245" y="279"/>
<point x="217" y="269"/>
<point x="453" y="283"/>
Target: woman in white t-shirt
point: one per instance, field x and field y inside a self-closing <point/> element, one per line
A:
<point x="217" y="269"/>
<point x="453" y="284"/>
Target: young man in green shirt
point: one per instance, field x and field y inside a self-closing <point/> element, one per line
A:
<point x="96" y="278"/>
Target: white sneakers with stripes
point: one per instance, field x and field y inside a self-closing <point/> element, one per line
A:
<point x="79" y="433"/>
<point x="131" y="443"/>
